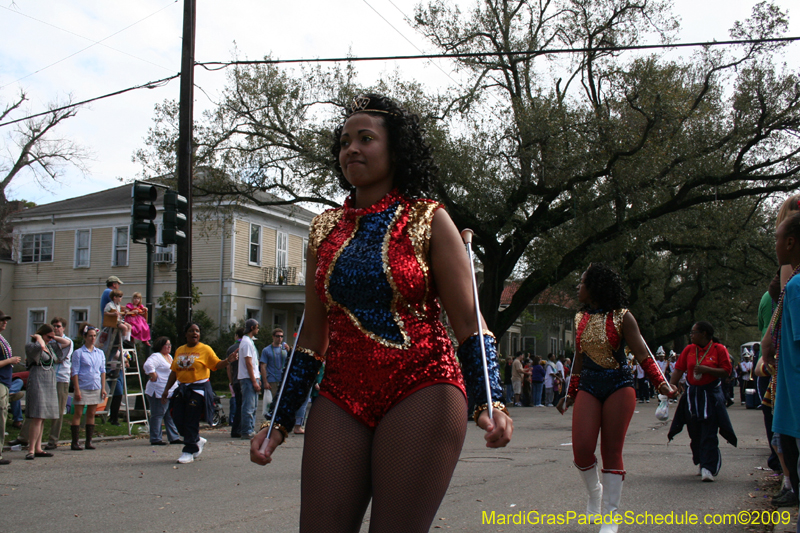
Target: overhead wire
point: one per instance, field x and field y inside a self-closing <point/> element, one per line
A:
<point x="149" y="85"/>
<point x="94" y="43"/>
<point x="221" y="65"/>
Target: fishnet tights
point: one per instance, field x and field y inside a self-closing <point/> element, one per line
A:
<point x="405" y="465"/>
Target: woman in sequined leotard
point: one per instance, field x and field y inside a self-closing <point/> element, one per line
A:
<point x="601" y="386"/>
<point x="389" y="423"/>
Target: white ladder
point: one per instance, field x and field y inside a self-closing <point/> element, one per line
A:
<point x="131" y="371"/>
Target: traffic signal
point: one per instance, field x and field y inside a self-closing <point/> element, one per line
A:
<point x="143" y="212"/>
<point x="175" y="210"/>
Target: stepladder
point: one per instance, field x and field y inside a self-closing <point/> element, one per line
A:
<point x="123" y="372"/>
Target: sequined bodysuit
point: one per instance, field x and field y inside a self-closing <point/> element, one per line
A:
<point x="373" y="275"/>
<point x="599" y="341"/>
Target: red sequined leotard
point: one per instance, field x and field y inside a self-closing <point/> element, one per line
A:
<point x="373" y="275"/>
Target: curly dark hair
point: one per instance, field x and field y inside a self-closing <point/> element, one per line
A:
<point x="605" y="286"/>
<point x="414" y="168"/>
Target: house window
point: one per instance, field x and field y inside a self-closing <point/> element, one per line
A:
<point x="282" y="255"/>
<point x="252" y="312"/>
<point x="120" y="257"/>
<point x="83" y="239"/>
<point x="255" y="244"/>
<point x="554" y="346"/>
<point x="76" y="318"/>
<point x="36" y="248"/>
<point x="279" y="320"/>
<point x="36" y="317"/>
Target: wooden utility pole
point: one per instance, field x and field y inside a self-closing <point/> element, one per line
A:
<point x="185" y="153"/>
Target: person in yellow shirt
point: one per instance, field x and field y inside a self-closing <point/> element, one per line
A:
<point x="191" y="368"/>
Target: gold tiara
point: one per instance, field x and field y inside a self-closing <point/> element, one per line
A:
<point x="360" y="104"/>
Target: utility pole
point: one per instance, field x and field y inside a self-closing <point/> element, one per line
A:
<point x="185" y="154"/>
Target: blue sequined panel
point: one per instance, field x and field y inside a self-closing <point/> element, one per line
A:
<point x="359" y="282"/>
<point x="603" y="382"/>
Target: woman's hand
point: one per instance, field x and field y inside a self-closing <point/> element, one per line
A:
<point x="153" y="377"/>
<point x="103" y="394"/>
<point x="564" y="404"/>
<point x="265" y="458"/>
<point x="499" y="430"/>
<point x="165" y="397"/>
<point x="668" y="390"/>
<point x="78" y="396"/>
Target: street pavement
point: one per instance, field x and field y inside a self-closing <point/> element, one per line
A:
<point x="128" y="485"/>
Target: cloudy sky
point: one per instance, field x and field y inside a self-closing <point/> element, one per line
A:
<point x="52" y="49"/>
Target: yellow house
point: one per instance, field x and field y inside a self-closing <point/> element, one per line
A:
<point x="248" y="262"/>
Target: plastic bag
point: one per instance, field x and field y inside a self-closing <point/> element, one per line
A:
<point x="662" y="411"/>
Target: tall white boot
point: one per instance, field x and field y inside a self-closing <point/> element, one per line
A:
<point x="612" y="492"/>
<point x="592" y="480"/>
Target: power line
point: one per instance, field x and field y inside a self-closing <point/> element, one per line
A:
<point x="465" y="55"/>
<point x="149" y="85"/>
<point x="88" y="39"/>
<point x="220" y="65"/>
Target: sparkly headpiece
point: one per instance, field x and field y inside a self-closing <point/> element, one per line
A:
<point x="360" y="104"/>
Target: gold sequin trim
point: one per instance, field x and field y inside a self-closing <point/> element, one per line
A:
<point x="486" y="333"/>
<point x="500" y="406"/>
<point x="279" y="427"/>
<point x="311" y="353"/>
<point x="594" y="341"/>
<point x="420" y="221"/>
<point x="321" y="227"/>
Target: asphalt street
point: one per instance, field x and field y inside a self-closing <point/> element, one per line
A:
<point x="128" y="485"/>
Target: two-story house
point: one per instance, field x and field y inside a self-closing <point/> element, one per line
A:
<point x="248" y="262"/>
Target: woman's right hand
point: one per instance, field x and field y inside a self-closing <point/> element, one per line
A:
<point x="77" y="395"/>
<point x="264" y="458"/>
<point x="564" y="404"/>
<point x="153" y="377"/>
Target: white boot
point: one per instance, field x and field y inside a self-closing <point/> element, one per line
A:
<point x="595" y="490"/>
<point x="612" y="491"/>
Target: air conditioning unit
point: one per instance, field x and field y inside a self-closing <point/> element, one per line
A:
<point x="162" y="257"/>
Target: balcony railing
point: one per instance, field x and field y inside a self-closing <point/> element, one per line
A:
<point x="280" y="276"/>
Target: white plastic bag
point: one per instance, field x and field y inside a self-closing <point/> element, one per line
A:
<point x="662" y="411"/>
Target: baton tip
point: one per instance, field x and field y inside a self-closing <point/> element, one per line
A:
<point x="466" y="235"/>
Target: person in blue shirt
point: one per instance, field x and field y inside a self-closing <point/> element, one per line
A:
<point x="88" y="380"/>
<point x="7" y="362"/>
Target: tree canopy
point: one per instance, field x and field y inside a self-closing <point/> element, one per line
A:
<point x="662" y="166"/>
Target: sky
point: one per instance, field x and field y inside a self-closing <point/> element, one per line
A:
<point x="53" y="50"/>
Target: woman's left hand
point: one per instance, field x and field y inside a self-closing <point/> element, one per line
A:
<point x="498" y="431"/>
<point x="103" y="394"/>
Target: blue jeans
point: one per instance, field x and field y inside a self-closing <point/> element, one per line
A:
<point x="16" y="407"/>
<point x="509" y="393"/>
<point x="536" y="392"/>
<point x="159" y="412"/>
<point x="249" y="401"/>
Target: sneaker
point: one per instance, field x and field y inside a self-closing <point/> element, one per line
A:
<point x="699" y="470"/>
<point x="50" y="446"/>
<point x="249" y="436"/>
<point x="185" y="458"/>
<point x="647" y="401"/>
<point x="707" y="476"/>
<point x="200" y="444"/>
<point x="788" y="499"/>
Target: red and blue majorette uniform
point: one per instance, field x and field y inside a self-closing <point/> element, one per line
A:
<point x="599" y="341"/>
<point x="386" y="337"/>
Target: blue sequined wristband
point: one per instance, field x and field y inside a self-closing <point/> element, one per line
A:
<point x="300" y="377"/>
<point x="469" y="355"/>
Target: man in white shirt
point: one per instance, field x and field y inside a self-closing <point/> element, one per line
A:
<point x="549" y="370"/>
<point x="248" y="379"/>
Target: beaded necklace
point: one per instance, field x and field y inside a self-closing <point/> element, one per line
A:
<point x="775" y="325"/>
